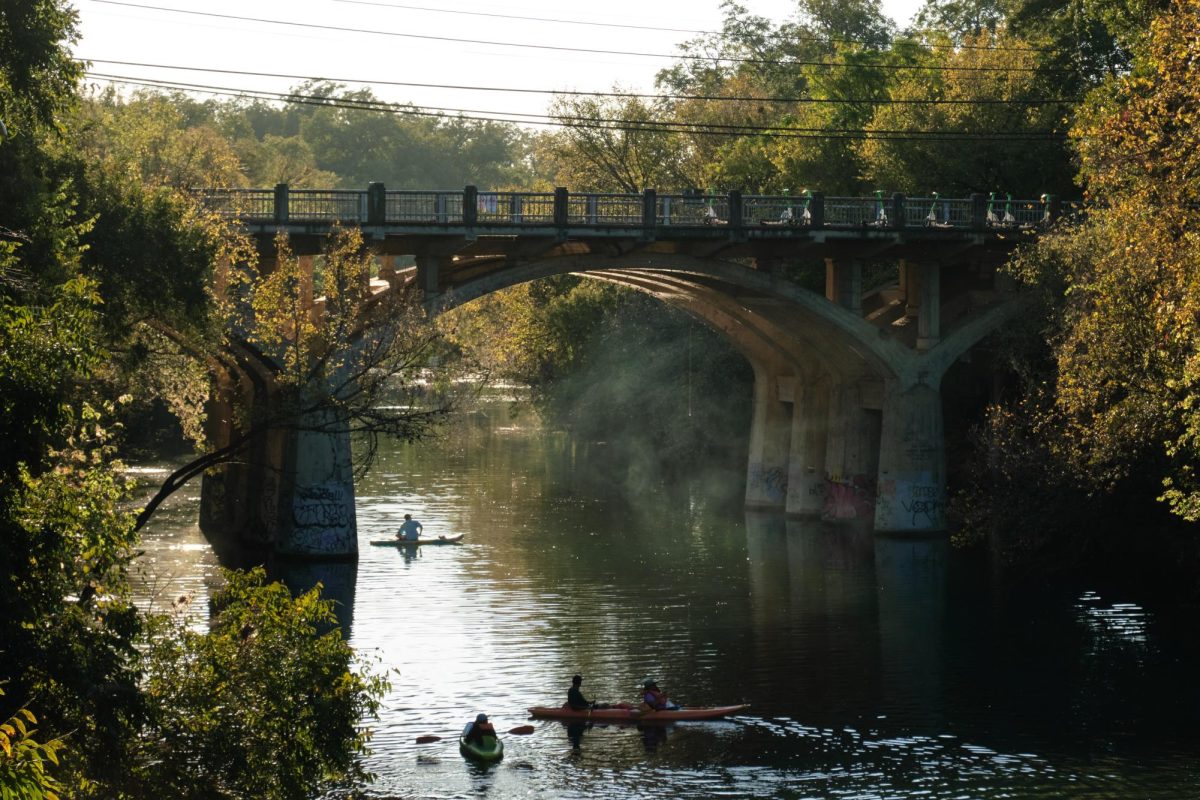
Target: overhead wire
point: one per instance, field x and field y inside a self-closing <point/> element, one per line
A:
<point x="645" y="126"/>
<point x="699" y="32"/>
<point x="564" y="48"/>
<point x="576" y="93"/>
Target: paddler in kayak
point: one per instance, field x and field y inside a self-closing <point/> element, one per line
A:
<point x="577" y="702"/>
<point x="654" y="699"/>
<point x="475" y="731"/>
<point x="410" y="529"/>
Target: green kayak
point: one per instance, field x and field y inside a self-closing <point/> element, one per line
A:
<point x="490" y="749"/>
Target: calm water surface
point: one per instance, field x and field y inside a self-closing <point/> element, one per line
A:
<point x="876" y="667"/>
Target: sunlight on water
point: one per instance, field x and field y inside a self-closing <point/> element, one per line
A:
<point x="876" y="668"/>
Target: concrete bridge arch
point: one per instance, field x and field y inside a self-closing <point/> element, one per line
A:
<point x="847" y="418"/>
<point x="847" y="401"/>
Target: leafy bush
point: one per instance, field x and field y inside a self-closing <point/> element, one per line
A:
<point x="264" y="705"/>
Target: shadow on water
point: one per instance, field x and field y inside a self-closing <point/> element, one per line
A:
<point x="867" y="611"/>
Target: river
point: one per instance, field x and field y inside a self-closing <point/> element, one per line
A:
<point x="876" y="668"/>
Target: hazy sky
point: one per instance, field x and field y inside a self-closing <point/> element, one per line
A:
<point x="115" y="31"/>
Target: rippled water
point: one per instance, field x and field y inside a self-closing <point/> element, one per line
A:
<point x="876" y="667"/>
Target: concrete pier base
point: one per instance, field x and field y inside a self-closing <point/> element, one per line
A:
<point x="810" y="435"/>
<point x="315" y="503"/>
<point x="911" y="493"/>
<point x="770" y="435"/>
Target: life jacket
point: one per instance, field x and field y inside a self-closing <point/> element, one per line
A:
<point x="478" y="730"/>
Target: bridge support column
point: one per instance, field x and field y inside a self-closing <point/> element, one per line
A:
<point x="387" y="269"/>
<point x="770" y="433"/>
<point x="810" y="434"/>
<point x="428" y="275"/>
<point x="843" y="283"/>
<point x="929" y="321"/>
<point x="315" y="505"/>
<point x="910" y="284"/>
<point x="850" y="456"/>
<point x="224" y="501"/>
<point x="912" y="453"/>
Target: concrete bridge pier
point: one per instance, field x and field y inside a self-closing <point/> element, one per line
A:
<point x="810" y="437"/>
<point x="851" y="455"/>
<point x="770" y="439"/>
<point x="911" y="492"/>
<point x="314" y="507"/>
<point x="224" y="496"/>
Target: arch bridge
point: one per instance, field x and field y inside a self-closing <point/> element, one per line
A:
<point x="847" y="383"/>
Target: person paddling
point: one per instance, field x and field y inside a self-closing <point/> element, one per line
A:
<point x="410" y="529"/>
<point x="656" y="699"/>
<point x="577" y="702"/>
<point x="477" y="730"/>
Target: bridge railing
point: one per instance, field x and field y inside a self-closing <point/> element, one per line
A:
<point x="515" y="208"/>
<point x="649" y="209"/>
<point x="248" y="204"/>
<point x="421" y="207"/>
<point x="856" y="212"/>
<point x="938" y="212"/>
<point x="320" y="205"/>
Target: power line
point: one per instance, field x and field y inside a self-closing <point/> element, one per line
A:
<point x="574" y="93"/>
<point x="632" y="126"/>
<point x="562" y="48"/>
<point x="627" y="26"/>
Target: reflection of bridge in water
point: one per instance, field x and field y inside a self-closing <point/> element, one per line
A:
<point x="847" y="409"/>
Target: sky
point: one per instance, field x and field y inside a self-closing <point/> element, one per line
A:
<point x="381" y="41"/>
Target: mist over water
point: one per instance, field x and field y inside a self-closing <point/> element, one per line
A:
<point x="876" y="667"/>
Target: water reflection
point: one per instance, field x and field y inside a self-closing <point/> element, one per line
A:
<point x="911" y="579"/>
<point x="875" y="667"/>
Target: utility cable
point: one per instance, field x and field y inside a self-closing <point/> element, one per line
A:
<point x="630" y="126"/>
<point x="628" y="26"/>
<point x="564" y="49"/>
<point x="574" y="93"/>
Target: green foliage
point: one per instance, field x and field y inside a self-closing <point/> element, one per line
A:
<point x="23" y="759"/>
<point x="1026" y="168"/>
<point x="598" y="158"/>
<point x="1115" y="417"/>
<point x="264" y="705"/>
<point x="37" y="74"/>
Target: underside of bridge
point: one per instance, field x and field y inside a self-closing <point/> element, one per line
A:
<point x="848" y="420"/>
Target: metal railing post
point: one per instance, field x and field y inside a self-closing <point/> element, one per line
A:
<point x="816" y="210"/>
<point x="736" y="222"/>
<point x="562" y="214"/>
<point x="515" y="213"/>
<point x="470" y="206"/>
<point x="281" y="203"/>
<point x="376" y="204"/>
<point x="899" y="218"/>
<point x="978" y="211"/>
<point x="649" y="212"/>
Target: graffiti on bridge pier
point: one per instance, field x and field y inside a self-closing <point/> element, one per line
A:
<point x="921" y="503"/>
<point x="849" y="497"/>
<point x="321" y="507"/>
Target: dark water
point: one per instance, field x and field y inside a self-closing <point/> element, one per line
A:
<point x="876" y="667"/>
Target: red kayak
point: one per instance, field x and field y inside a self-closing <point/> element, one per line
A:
<point x="635" y="714"/>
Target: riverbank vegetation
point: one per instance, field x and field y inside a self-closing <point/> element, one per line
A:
<point x="1093" y="427"/>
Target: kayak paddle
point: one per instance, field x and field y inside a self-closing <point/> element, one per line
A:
<point x="520" y="730"/>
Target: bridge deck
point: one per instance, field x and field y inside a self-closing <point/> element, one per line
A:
<point x="471" y="213"/>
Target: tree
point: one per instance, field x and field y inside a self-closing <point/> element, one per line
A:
<point x="1114" y="401"/>
<point x="264" y="704"/>
<point x="962" y="92"/>
<point x="615" y="145"/>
